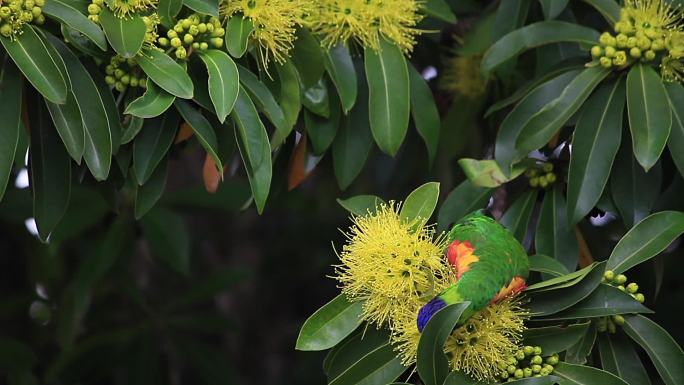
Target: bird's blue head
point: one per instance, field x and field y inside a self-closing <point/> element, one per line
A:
<point x="428" y="310"/>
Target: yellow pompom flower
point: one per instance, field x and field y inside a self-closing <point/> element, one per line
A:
<point x="124" y="8"/>
<point x="367" y="21"/>
<point x="461" y="74"/>
<point x="275" y="24"/>
<point x="488" y="338"/>
<point x="392" y="265"/>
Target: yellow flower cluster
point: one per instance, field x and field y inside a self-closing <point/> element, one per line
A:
<point x="275" y="23"/>
<point x="121" y="8"/>
<point x="366" y="22"/>
<point x="648" y="31"/>
<point x="462" y="75"/>
<point x="15" y="14"/>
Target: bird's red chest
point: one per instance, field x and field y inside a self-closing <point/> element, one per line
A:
<point x="460" y="256"/>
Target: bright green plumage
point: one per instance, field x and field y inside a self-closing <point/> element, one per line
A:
<point x="488" y="262"/>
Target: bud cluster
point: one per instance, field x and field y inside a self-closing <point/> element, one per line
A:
<point x="122" y="73"/>
<point x="15" y="13"/>
<point x="527" y="362"/>
<point x="542" y="176"/>
<point x="193" y="33"/>
<point x="94" y="9"/>
<point x="619" y="281"/>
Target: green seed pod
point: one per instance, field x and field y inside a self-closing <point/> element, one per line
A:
<point x="536" y="368"/>
<point x="618" y="319"/>
<point x="620" y="279"/>
<point x="188" y="38"/>
<point x="639" y="297"/>
<point x="632" y="288"/>
<point x="635" y="52"/>
<point x="518" y="373"/>
<point x="605" y="62"/>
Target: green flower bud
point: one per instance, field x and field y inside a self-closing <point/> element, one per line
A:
<point x="536" y="368"/>
<point x="547" y="167"/>
<point x="188" y="39"/>
<point x="602" y="324"/>
<point x="125" y="79"/>
<point x="632" y="288"/>
<point x="552" y="360"/>
<point x="527" y="372"/>
<point x="537" y="360"/>
<point x="518" y="373"/>
<point x="218" y="32"/>
<point x="502" y="365"/>
<point x="194" y="18"/>
<point x="551" y="177"/>
<point x="163" y="41"/>
<point x="537" y="375"/>
<point x="649" y="55"/>
<point x="28" y="4"/>
<point x="657" y="45"/>
<point x="210" y="27"/>
<point x="635" y="52"/>
<point x="620" y="279"/>
<point x="202" y="27"/>
<point x="511" y="369"/>
<point x="94" y="9"/>
<point x="41" y="3"/>
<point x="605" y="62"/>
<point x="605" y="39"/>
<point x="5" y="12"/>
<point x="543" y="183"/>
<point x="528" y="350"/>
<point x="549" y="368"/>
<point x="631" y="42"/>
<point x="511" y="360"/>
<point x="217" y="42"/>
<point x="544" y="372"/>
<point x="186" y="23"/>
<point x="639" y="297"/>
<point x="204" y="46"/>
<point x="619" y="320"/>
<point x="609" y="275"/>
<point x="36" y="11"/>
<point x="610" y="52"/>
<point x="171" y="34"/>
<point x="178" y="28"/>
<point x="620" y="58"/>
<point x="519" y="355"/>
<point x="142" y="82"/>
<point x="651" y="33"/>
<point x="94" y="18"/>
<point x="504" y="375"/>
<point x="110" y="80"/>
<point x="181" y="53"/>
<point x="534" y="182"/>
<point x="611" y="327"/>
<point x="119" y="86"/>
<point x="109" y="69"/>
<point x="643" y="43"/>
<point x="193" y="30"/>
<point x="195" y="45"/>
<point x="621" y="288"/>
<point x="134" y="81"/>
<point x="119" y="73"/>
<point x="26" y="17"/>
<point x="176" y="42"/>
<point x="538" y="350"/>
<point x="621" y="40"/>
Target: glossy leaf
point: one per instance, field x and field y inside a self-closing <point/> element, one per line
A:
<point x="322" y="131"/>
<point x="595" y="143"/>
<point x="566" y="280"/>
<point x="238" y="30"/>
<point x="168" y="74"/>
<point x="554" y="237"/>
<point x="650" y="117"/>
<point x="555" y="339"/>
<point x="352" y="349"/>
<point x="619" y="357"/>
<point x="420" y="204"/>
<point x="167" y="235"/>
<point x="224" y="81"/>
<point x="10" y="110"/>
<point x="552" y="8"/>
<point x="361" y="204"/>
<point x="486" y="173"/>
<point x="29" y="52"/>
<point x="547" y="265"/>
<point x="517" y="218"/>
<point x="263" y="98"/>
<point x="255" y="150"/>
<point x="67" y="14"/>
<point x="126" y="35"/>
<point x="438" y="9"/>
<point x="582" y="375"/>
<point x="544" y="124"/>
<point x="147" y="195"/>
<point x="462" y="200"/>
<point x="152" y="103"/>
<point x="202" y="129"/>
<point x="666" y="355"/>
<point x="380" y="366"/>
<point x="675" y="141"/>
<point x="645" y="240"/>
<point x="424" y="112"/>
<point x="207" y="7"/>
<point x="330" y="324"/>
<point x="307" y="56"/>
<point x="131" y="128"/>
<point x="578" y="353"/>
<point x="553" y="301"/>
<point x="67" y="120"/>
<point x="152" y="144"/>
<point x="167" y="10"/>
<point x="289" y="99"/>
<point x="535" y="35"/>
<point x="388" y="98"/>
<point x="338" y="64"/>
<point x="604" y="301"/>
<point x="608" y="8"/>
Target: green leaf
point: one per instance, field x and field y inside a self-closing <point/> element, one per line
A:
<point x="147" y="195"/>
<point x="168" y="74"/>
<point x="432" y="363"/>
<point x="424" y="112"/>
<point x="361" y="204"/>
<point x="532" y="36"/>
<point x="420" y="204"/>
<point x="289" y="99"/>
<point x="595" y="143"/>
<point x="353" y="348"/>
<point x="152" y="144"/>
<point x="462" y="200"/>
<point x="577" y="354"/>
<point x="126" y="35"/>
<point x="10" y="110"/>
<point x="667" y="356"/>
<point x="486" y="173"/>
<point x="438" y="9"/>
<point x="30" y="53"/>
<point x="380" y="366"/>
<point x="388" y="98"/>
<point x="650" y="117"/>
<point x="167" y="10"/>
<point x="67" y="14"/>
<point x="553" y="8"/>
<point x="152" y="103"/>
<point x="584" y="375"/>
<point x="50" y="171"/>
<point x="566" y="280"/>
<point x="67" y="120"/>
<point x="330" y="324"/>
<point x="263" y="98"/>
<point x="167" y="235"/>
<point x="207" y="7"/>
<point x="608" y="8"/>
<point x="307" y="56"/>
<point x="131" y="129"/>
<point x="517" y="218"/>
<point x="547" y="265"/>
<point x="604" y="301"/>
<point x="316" y="98"/>
<point x="544" y="124"/>
<point x="95" y="113"/>
<point x="549" y="302"/>
<point x="505" y="150"/>
<point x="202" y="129"/>
<point x="555" y="339"/>
<point x="339" y="65"/>
<point x="255" y="150"/>
<point x="619" y="357"/>
<point x="554" y="237"/>
<point x="224" y="82"/>
<point x="646" y="240"/>
<point x="322" y="131"/>
<point x="675" y="142"/>
<point x="238" y="30"/>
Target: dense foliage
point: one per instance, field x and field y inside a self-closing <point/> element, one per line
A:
<point x="135" y="134"/>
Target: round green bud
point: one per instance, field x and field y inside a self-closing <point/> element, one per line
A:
<point x="110" y="80"/>
<point x="178" y="28"/>
<point x="528" y="350"/>
<point x="204" y="46"/>
<point x="537" y="360"/>
<point x="195" y="45"/>
<point x="620" y="279"/>
<point x="552" y="360"/>
<point x="611" y="327"/>
<point x="119" y="73"/>
<point x="28" y="4"/>
<point x="519" y="355"/>
<point x="649" y="55"/>
<point x="502" y="365"/>
<point x="547" y="167"/>
<point x="609" y="275"/>
<point x="181" y="53"/>
<point x="610" y="51"/>
<point x="651" y="33"/>
<point x="621" y="288"/>
<point x="543" y="183"/>
<point x="551" y="177"/>
<point x="536" y="368"/>
<point x="544" y="372"/>
<point x="631" y="42"/>
<point x="119" y="86"/>
<point x="109" y="69"/>
<point x="202" y="27"/>
<point x="534" y="182"/>
<point x="620" y="58"/>
<point x="26" y="17"/>
<point x="605" y="62"/>
<point x="639" y="297"/>
<point x="218" y="32"/>
<point x="511" y="369"/>
<point x="171" y="34"/>
<point x="36" y="11"/>
<point x="518" y="373"/>
<point x="5" y="12"/>
<point x="188" y="38"/>
<point x="632" y="288"/>
<point x="194" y="18"/>
<point x="210" y="27"/>
<point x="94" y="9"/>
<point x="163" y="41"/>
<point x="142" y="82"/>
<point x="538" y="350"/>
<point x="125" y="79"/>
<point x="602" y="324"/>
<point x="134" y="81"/>
<point x="94" y="18"/>
<point x="531" y="172"/>
<point x="604" y="39"/>
<point x="657" y="45"/>
<point x="537" y="375"/>
<point x="217" y="42"/>
<point x="193" y="30"/>
<point x="549" y="368"/>
<point x="41" y="3"/>
<point x="635" y="52"/>
<point x="643" y="43"/>
<point x="176" y="42"/>
<point x="619" y="320"/>
<point x="15" y="6"/>
<point x="186" y="23"/>
<point x="504" y="375"/>
<point x="621" y="40"/>
<point x="511" y="360"/>
<point x="527" y="372"/>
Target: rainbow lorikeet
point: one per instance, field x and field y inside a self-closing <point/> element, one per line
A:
<point x="489" y="263"/>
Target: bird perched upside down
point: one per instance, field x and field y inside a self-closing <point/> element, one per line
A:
<point x="489" y="263"/>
